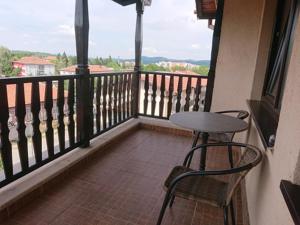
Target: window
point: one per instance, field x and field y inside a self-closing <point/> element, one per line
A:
<point x="276" y="72"/>
<point x="266" y="112"/>
<point x="41" y="70"/>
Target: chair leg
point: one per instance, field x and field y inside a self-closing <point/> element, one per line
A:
<point x="225" y="215"/>
<point x="163" y="208"/>
<point x="232" y="213"/>
<point x="195" y="141"/>
<point x="172" y="201"/>
<point x="230" y="156"/>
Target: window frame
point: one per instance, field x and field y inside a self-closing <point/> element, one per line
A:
<point x="274" y="102"/>
<point x="265" y="113"/>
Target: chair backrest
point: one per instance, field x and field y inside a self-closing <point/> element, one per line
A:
<point x="242" y="114"/>
<point x="249" y="159"/>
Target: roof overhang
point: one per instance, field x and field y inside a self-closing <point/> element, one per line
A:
<point x="206" y="9"/>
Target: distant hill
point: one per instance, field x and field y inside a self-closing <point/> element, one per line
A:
<point x="145" y="59"/>
<point x="29" y="53"/>
<point x="153" y="60"/>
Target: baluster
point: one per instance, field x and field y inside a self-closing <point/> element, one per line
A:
<point x="129" y="97"/>
<point x="91" y="105"/>
<point x="116" y="85"/>
<point x="35" y="109"/>
<point x="188" y="94"/>
<point x="179" y="91"/>
<point x="104" y="111"/>
<point x="78" y="111"/>
<point x="124" y="96"/>
<point x="20" y="114"/>
<point x="197" y="93"/>
<point x="98" y="103"/>
<point x="162" y="95"/>
<point x="48" y="107"/>
<point x="120" y="98"/>
<point x="71" y="101"/>
<point x="6" y="150"/>
<point x="110" y="100"/>
<point x="146" y="93"/>
<point x="171" y="90"/>
<point x="154" y="89"/>
<point x="60" y="106"/>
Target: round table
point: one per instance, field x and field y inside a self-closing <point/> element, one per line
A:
<point x="207" y="122"/>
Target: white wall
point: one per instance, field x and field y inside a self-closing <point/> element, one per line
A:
<point x="240" y="75"/>
<point x="32" y="70"/>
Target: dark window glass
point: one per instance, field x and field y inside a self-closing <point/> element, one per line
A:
<point x="274" y="83"/>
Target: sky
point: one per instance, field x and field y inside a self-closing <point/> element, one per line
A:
<point x="171" y="28"/>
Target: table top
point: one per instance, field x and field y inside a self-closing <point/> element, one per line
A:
<point x="208" y="122"/>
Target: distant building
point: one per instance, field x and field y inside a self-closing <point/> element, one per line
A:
<point x="34" y="66"/>
<point x="170" y="64"/>
<point x="71" y="70"/>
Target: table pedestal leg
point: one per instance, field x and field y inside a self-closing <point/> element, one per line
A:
<point x="195" y="141"/>
<point x="203" y="152"/>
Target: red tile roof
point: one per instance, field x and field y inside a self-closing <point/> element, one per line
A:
<point x="11" y="94"/>
<point x="93" y="69"/>
<point x="33" y="60"/>
<point x="176" y="80"/>
<point x="50" y="58"/>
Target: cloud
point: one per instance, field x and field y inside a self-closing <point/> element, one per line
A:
<point x="66" y="30"/>
<point x="195" y="46"/>
<point x="150" y="50"/>
<point x="171" y="28"/>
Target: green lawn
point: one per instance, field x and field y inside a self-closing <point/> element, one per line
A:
<point x="1" y="165"/>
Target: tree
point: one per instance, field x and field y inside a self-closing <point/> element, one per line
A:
<point x="153" y="67"/>
<point x="6" y="67"/>
<point x="202" y="70"/>
<point x="64" y="60"/>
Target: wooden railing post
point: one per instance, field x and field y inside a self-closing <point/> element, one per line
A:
<point x="214" y="56"/>
<point x="138" y="57"/>
<point x="83" y="88"/>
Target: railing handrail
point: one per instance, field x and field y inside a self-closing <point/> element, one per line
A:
<point x="112" y="73"/>
<point x="15" y="80"/>
<point x="174" y="74"/>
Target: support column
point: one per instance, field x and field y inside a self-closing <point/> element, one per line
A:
<point x="138" y="56"/>
<point x="83" y="103"/>
<point x="214" y="56"/>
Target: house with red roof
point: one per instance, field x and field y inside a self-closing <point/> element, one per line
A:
<point x="71" y="70"/>
<point x="34" y="66"/>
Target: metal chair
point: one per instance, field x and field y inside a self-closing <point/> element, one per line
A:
<point x="228" y="137"/>
<point x="202" y="185"/>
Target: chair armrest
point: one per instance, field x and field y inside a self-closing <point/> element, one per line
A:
<point x="200" y="147"/>
<point x="242" y="113"/>
<point x="201" y="173"/>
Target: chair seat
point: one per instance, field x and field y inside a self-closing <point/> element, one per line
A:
<point x="200" y="188"/>
<point x="222" y="137"/>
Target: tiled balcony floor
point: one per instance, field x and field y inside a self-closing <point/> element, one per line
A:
<point x="123" y="186"/>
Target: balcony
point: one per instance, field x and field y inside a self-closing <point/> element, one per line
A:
<point x="117" y="180"/>
<point x="49" y="174"/>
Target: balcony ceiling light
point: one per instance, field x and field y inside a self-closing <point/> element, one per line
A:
<point x="129" y="2"/>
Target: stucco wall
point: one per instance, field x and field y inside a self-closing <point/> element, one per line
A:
<point x="237" y="54"/>
<point x="240" y="75"/>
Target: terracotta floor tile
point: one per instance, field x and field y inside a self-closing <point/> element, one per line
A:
<point x="123" y="186"/>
